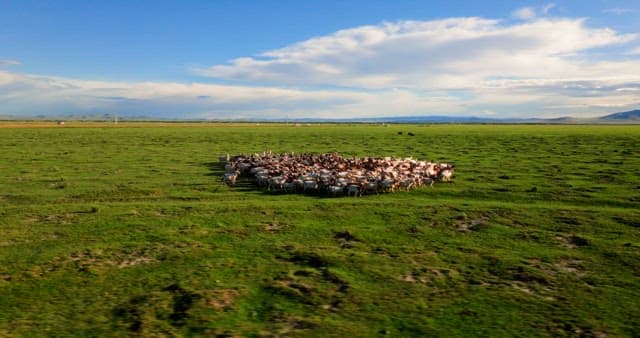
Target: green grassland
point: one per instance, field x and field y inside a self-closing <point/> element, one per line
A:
<point x="113" y="231"/>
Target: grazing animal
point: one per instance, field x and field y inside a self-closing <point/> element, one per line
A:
<point x="230" y="178"/>
<point x="244" y="167"/>
<point x="334" y="190"/>
<point x="353" y="190"/>
<point x="262" y="180"/>
<point x="371" y="187"/>
<point x="334" y="174"/>
<point x="446" y="174"/>
<point x="275" y="183"/>
<point x="429" y="181"/>
<point x="309" y="185"/>
<point x="405" y="184"/>
<point x="387" y="185"/>
<point x="289" y="187"/>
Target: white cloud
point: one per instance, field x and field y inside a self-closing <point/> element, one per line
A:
<point x="617" y="10"/>
<point x="21" y="94"/>
<point x="462" y="66"/>
<point x="443" y="54"/>
<point x="547" y="8"/>
<point x="9" y="63"/>
<point x="524" y="13"/>
<point x="628" y="89"/>
<point x="467" y="55"/>
<point x="529" y="13"/>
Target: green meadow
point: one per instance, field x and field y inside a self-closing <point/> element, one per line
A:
<point x="128" y="230"/>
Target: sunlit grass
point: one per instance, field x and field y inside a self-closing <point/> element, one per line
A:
<point x="116" y="230"/>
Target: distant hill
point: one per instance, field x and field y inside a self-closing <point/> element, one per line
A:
<point x="632" y="115"/>
<point x="628" y="117"/>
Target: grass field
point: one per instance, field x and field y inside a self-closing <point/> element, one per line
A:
<point x="112" y="231"/>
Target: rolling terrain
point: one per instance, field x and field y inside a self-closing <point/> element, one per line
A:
<point x="128" y="230"/>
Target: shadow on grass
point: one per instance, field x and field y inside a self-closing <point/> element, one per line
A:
<point x="215" y="168"/>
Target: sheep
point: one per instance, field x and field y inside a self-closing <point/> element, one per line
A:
<point x="335" y="190"/>
<point x="387" y="185"/>
<point x="230" y="178"/>
<point x="334" y="174"/>
<point x="370" y="187"/>
<point x="354" y="190"/>
<point x="289" y="186"/>
<point x="405" y="184"/>
<point x="262" y="180"/>
<point x="275" y="183"/>
<point x="244" y="167"/>
<point x="309" y="185"/>
<point x="446" y="174"/>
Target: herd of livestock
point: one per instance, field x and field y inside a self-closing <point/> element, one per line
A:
<point x="333" y="174"/>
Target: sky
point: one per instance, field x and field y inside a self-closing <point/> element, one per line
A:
<point x="319" y="59"/>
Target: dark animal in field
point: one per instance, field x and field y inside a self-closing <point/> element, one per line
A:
<point x="333" y="174"/>
<point x="354" y="190"/>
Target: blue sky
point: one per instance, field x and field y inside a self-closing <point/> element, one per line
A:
<point x="254" y="59"/>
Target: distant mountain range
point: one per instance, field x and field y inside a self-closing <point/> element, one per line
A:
<point x="628" y="117"/>
<point x="632" y="115"/>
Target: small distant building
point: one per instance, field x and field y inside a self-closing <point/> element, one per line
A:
<point x="60" y="123"/>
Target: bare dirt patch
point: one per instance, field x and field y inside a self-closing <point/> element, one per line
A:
<point x="522" y="287"/>
<point x="465" y="225"/>
<point x="571" y="266"/>
<point x="274" y="227"/>
<point x="428" y="275"/>
<point x="135" y="261"/>
<point x="66" y="218"/>
<point x="92" y="260"/>
<point x="221" y="299"/>
<point x="572" y="241"/>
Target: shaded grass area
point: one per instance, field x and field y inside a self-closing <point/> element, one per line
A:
<point x="130" y="231"/>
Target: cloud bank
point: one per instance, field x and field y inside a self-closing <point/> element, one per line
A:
<point x="9" y="63"/>
<point x="536" y="66"/>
